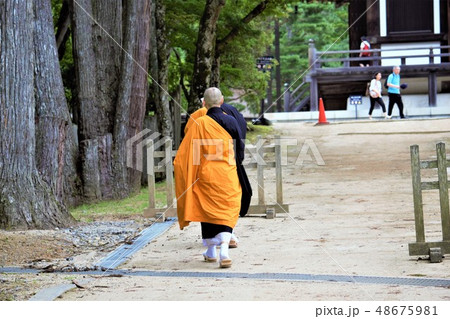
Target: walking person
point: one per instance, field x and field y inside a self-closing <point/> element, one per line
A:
<point x="375" y="94"/>
<point x="206" y="179"/>
<point x="394" y="86"/>
<point x="364" y="51"/>
<point x="247" y="192"/>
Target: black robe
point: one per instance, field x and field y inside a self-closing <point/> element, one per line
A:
<point x="234" y="123"/>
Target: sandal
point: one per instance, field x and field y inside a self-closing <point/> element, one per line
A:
<point x="209" y="259"/>
<point x="225" y="263"/>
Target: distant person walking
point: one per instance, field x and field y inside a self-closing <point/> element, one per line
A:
<point x="364" y="51"/>
<point x="394" y="86"/>
<point x="375" y="94"/>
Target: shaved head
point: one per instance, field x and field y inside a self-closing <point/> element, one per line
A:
<point x="213" y="97"/>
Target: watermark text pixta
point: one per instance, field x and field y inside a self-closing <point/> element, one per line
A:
<point x="292" y="151"/>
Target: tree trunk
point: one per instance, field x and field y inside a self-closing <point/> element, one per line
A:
<point x="26" y="200"/>
<point x="139" y="84"/>
<point x="153" y="91"/>
<point x="52" y="113"/>
<point x="89" y="114"/>
<point x="110" y="56"/>
<point x="204" y="53"/>
<point x="123" y="107"/>
<point x="162" y="104"/>
<point x="215" y="70"/>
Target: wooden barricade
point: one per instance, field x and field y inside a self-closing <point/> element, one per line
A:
<point x="270" y="210"/>
<point x="166" y="157"/>
<point x="434" y="249"/>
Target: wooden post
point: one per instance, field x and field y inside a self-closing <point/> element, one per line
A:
<point x="376" y="61"/>
<point x="177" y="118"/>
<point x="443" y="190"/>
<point x="417" y="194"/>
<point x="432" y="89"/>
<point x="278" y="171"/>
<point x="278" y="67"/>
<point x="260" y="172"/>
<point x="169" y="172"/>
<point x="313" y="87"/>
<point x="431" y="56"/>
<point x="151" y="174"/>
<point x="287" y="98"/>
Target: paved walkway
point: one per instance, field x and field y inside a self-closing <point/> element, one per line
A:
<point x="345" y="236"/>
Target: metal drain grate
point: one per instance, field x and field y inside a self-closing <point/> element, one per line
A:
<point x="402" y="281"/>
<point x="124" y="252"/>
<point x="424" y="282"/>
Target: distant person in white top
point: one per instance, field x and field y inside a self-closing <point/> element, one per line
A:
<point x="364" y="51"/>
<point x="375" y="94"/>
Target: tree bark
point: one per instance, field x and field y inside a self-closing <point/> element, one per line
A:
<point x="123" y="107"/>
<point x="85" y="73"/>
<point x="111" y="59"/>
<point x="153" y="61"/>
<point x="52" y="113"/>
<point x="162" y="104"/>
<point x="204" y="53"/>
<point x="26" y="200"/>
<point x="91" y="119"/>
<point x="139" y="89"/>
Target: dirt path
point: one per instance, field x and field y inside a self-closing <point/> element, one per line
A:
<point x="352" y="216"/>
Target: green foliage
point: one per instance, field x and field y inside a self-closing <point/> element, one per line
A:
<point x="323" y="22"/>
<point x="56" y="9"/>
<point x="238" y="61"/>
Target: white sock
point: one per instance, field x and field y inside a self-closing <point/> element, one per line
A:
<point x="224" y="239"/>
<point x="211" y="243"/>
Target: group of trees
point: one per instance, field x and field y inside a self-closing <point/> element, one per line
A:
<point x="324" y="22"/>
<point x="78" y="77"/>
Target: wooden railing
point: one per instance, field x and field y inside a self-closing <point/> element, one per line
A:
<point x="297" y="99"/>
<point x="319" y="58"/>
<point x="346" y="62"/>
<point x="164" y="164"/>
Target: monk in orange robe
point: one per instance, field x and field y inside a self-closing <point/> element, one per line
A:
<point x="243" y="178"/>
<point x="206" y="181"/>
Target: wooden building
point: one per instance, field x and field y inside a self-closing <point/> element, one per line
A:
<point x="411" y="33"/>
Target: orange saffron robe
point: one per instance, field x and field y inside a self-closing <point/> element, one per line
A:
<point x="194" y="116"/>
<point x="206" y="181"/>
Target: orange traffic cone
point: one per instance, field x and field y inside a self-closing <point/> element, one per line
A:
<point x="322" y="117"/>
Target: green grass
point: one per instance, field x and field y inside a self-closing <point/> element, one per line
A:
<point x="256" y="130"/>
<point x="133" y="205"/>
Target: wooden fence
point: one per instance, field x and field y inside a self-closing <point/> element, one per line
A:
<point x="421" y="247"/>
<point x="162" y="161"/>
